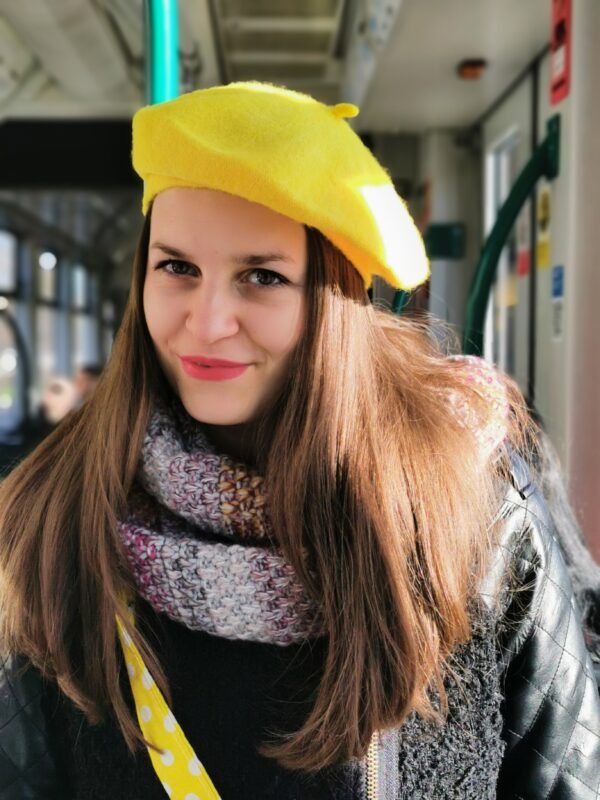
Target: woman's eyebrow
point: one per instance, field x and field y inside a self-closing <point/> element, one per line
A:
<point x="257" y="259"/>
<point x="171" y="251"/>
<point x="244" y="259"/>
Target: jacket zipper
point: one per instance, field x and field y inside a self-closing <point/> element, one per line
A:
<point x="373" y="768"/>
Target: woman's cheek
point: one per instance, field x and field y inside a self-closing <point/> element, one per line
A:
<point x="277" y="330"/>
<point x="162" y="316"/>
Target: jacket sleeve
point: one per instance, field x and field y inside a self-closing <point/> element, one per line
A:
<point x="551" y="708"/>
<point x="27" y="767"/>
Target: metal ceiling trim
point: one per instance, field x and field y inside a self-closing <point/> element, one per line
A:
<point x="270" y="57"/>
<point x="280" y="24"/>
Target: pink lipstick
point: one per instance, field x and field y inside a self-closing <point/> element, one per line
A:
<point x="212" y="369"/>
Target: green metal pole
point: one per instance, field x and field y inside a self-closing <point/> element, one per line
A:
<point x="400" y="300"/>
<point x="162" y="50"/>
<point x="545" y="161"/>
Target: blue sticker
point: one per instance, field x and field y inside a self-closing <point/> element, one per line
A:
<point x="558" y="282"/>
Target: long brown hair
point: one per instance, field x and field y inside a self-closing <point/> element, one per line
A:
<point x="377" y="489"/>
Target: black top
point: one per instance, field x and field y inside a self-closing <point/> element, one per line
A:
<point x="227" y="696"/>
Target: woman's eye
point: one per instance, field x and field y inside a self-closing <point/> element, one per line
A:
<point x="265" y="277"/>
<point x="174" y="267"/>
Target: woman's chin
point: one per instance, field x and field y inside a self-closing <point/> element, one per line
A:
<point x="225" y="417"/>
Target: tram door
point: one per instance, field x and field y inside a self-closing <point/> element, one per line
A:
<point x="508" y="339"/>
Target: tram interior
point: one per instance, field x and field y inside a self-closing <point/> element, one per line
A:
<point x="454" y="98"/>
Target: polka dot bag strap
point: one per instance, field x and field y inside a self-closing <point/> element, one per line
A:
<point x="179" y="770"/>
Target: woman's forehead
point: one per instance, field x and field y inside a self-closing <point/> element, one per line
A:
<point x="198" y="215"/>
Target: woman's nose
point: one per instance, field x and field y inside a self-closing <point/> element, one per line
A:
<point x="212" y="314"/>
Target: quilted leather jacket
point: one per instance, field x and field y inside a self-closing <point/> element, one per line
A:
<point x="551" y="710"/>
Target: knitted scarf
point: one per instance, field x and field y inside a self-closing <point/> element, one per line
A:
<point x="200" y="543"/>
<point x="199" y="539"/>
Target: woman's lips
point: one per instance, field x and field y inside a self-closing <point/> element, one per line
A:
<point x="212" y="369"/>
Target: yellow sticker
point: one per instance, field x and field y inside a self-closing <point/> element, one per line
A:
<point x="543" y="255"/>
<point x="544" y="217"/>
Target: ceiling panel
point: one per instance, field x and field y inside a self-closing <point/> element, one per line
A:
<point x="286" y="41"/>
<point x="415" y="85"/>
<point x="278" y="8"/>
<point x="291" y="43"/>
<point x="283" y="73"/>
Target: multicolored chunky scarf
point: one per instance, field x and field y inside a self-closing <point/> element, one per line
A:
<point x="200" y="543"/>
<point x="199" y="539"/>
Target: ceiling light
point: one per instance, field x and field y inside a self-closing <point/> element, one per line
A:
<point x="471" y="69"/>
<point x="47" y="261"/>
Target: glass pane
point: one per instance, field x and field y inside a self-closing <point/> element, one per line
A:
<point x="509" y="305"/>
<point x="47" y="268"/>
<point x="85" y="340"/>
<point x="8" y="262"/>
<point x="10" y="411"/>
<point x="79" y="286"/>
<point x="108" y="312"/>
<point x="92" y="290"/>
<point x="46" y="344"/>
<point x="107" y="342"/>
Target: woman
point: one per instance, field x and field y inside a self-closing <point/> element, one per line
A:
<point x="287" y="549"/>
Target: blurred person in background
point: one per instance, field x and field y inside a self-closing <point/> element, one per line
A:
<point x="287" y="548"/>
<point x="58" y="399"/>
<point x="85" y="381"/>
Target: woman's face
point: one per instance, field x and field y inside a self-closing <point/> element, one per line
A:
<point x="223" y="300"/>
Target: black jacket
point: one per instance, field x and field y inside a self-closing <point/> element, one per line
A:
<point x="551" y="711"/>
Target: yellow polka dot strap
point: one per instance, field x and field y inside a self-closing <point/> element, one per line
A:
<point x="179" y="770"/>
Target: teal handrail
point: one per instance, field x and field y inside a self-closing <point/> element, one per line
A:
<point x="162" y="50"/>
<point x="400" y="300"/>
<point x="545" y="162"/>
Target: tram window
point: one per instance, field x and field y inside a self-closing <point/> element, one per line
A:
<point x="85" y="339"/>
<point x="8" y="262"/>
<point x="47" y="269"/>
<point x="108" y="312"/>
<point x="92" y="291"/>
<point x="46" y="344"/>
<point x="79" y="287"/>
<point x="507" y="326"/>
<point x="10" y="402"/>
<point x="107" y="341"/>
<point x="108" y="325"/>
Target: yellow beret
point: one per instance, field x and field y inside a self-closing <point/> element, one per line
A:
<point x="291" y="153"/>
